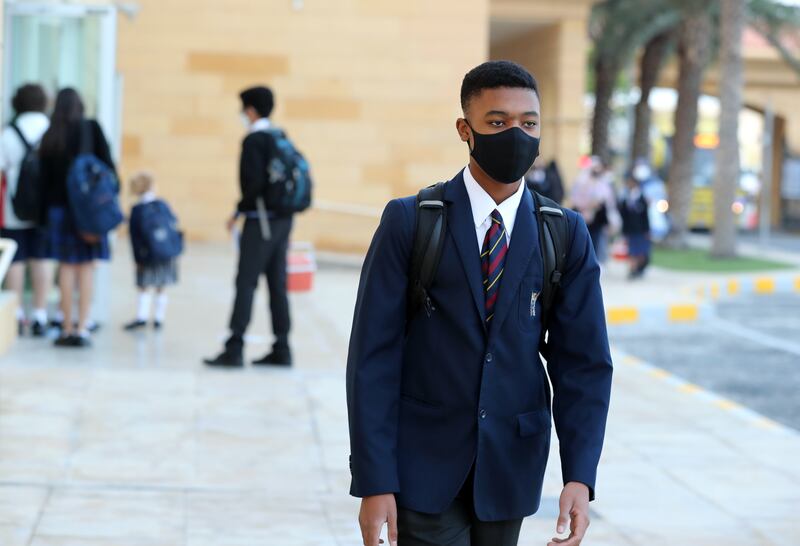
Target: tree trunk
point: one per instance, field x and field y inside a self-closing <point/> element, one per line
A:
<point x="650" y="65"/>
<point x="732" y="15"/>
<point x="693" y="51"/>
<point x="605" y="74"/>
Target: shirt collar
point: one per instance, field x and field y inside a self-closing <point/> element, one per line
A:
<point x="482" y="203"/>
<point x="147" y="197"/>
<point x="261" y="124"/>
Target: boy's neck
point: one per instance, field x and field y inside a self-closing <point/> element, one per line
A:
<point x="496" y="190"/>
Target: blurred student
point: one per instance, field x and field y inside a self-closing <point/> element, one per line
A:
<point x="19" y="220"/>
<point x="275" y="184"/>
<point x="593" y="196"/>
<point x="546" y="180"/>
<point x="635" y="226"/>
<point x="156" y="243"/>
<point x="76" y="249"/>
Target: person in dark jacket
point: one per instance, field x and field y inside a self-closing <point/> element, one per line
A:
<point x="635" y="227"/>
<point x="151" y="272"/>
<point x="546" y="180"/>
<point x="75" y="253"/>
<point x="450" y="410"/>
<point x="264" y="241"/>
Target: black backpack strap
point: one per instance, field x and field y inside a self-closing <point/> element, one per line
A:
<point x="430" y="229"/>
<point x="28" y="145"/>
<point x="554" y="241"/>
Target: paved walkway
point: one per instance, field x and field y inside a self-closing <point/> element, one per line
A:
<point x="135" y="444"/>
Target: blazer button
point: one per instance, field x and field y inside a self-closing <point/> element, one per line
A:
<point x="489" y="357"/>
<point x="482" y="413"/>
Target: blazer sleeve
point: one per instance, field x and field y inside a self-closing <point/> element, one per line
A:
<point x="252" y="172"/>
<point x="135" y="229"/>
<point x="375" y="357"/>
<point x="579" y="361"/>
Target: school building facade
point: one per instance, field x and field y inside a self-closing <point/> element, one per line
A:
<point x="368" y="89"/>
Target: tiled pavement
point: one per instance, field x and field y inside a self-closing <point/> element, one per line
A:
<point x="135" y="444"/>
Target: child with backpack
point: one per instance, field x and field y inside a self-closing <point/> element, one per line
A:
<point x="156" y="243"/>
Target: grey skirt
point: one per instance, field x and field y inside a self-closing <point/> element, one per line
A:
<point x="157" y="275"/>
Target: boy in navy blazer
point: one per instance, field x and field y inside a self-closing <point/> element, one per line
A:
<point x="450" y="411"/>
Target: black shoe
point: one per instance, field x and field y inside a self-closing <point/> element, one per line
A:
<point x="81" y="341"/>
<point x="20" y="328"/>
<point x="157" y="325"/>
<point x="64" y="341"/>
<point x="57" y="324"/>
<point x="275" y="358"/>
<point x="39" y="329"/>
<point x="226" y="359"/>
<point x="134" y="325"/>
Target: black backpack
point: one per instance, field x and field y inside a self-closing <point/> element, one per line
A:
<point x="430" y="230"/>
<point x="28" y="199"/>
<point x="289" y="181"/>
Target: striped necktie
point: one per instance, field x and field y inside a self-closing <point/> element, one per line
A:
<point x="493" y="259"/>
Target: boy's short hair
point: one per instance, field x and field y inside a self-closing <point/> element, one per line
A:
<point x="142" y="182"/>
<point x="495" y="74"/>
<point x="29" y="98"/>
<point x="260" y="98"/>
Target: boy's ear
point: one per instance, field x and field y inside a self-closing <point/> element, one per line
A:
<point x="463" y="129"/>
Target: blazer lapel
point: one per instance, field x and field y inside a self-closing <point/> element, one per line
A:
<point x="462" y="228"/>
<point x="524" y="242"/>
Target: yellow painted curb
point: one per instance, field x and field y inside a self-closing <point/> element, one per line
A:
<point x="797" y="284"/>
<point x="659" y="373"/>
<point x="689" y="388"/>
<point x="733" y="287"/>
<point x="622" y="315"/>
<point x="683" y="313"/>
<point x="726" y="404"/>
<point x="764" y="285"/>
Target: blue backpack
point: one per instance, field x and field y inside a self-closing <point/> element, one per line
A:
<point x="92" y="190"/>
<point x="158" y="228"/>
<point x="288" y="177"/>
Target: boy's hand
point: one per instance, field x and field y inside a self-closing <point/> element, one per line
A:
<point x="231" y="223"/>
<point x="573" y="509"/>
<point x="375" y="511"/>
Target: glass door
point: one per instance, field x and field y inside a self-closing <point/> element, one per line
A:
<point x="63" y="45"/>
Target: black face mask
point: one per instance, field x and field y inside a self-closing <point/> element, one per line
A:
<point x="505" y="156"/>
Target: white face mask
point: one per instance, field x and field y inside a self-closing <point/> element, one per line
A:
<point x="641" y="172"/>
<point x="245" y="120"/>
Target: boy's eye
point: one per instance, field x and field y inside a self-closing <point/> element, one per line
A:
<point x="496" y="123"/>
<point x="531" y="124"/>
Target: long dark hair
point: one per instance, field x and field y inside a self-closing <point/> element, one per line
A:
<point x="68" y="110"/>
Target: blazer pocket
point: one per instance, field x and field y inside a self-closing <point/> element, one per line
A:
<point x="534" y="422"/>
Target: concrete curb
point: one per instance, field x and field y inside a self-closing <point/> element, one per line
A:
<point x="705" y="296"/>
<point x="747" y="415"/>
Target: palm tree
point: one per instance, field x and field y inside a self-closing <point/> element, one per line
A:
<point x="619" y="28"/>
<point x="723" y="243"/>
<point x="655" y="53"/>
<point x="694" y="52"/>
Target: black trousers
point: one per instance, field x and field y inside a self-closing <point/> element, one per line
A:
<point x="257" y="257"/>
<point x="456" y="526"/>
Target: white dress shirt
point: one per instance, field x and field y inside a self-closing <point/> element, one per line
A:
<point x="483" y="205"/>
<point x="261" y="124"/>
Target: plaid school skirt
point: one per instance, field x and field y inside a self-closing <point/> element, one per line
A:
<point x="65" y="243"/>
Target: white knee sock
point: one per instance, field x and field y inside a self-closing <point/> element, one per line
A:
<point x="143" y="308"/>
<point x="40" y="316"/>
<point x="161" y="307"/>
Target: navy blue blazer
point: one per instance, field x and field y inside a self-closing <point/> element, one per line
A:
<point x="428" y="397"/>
